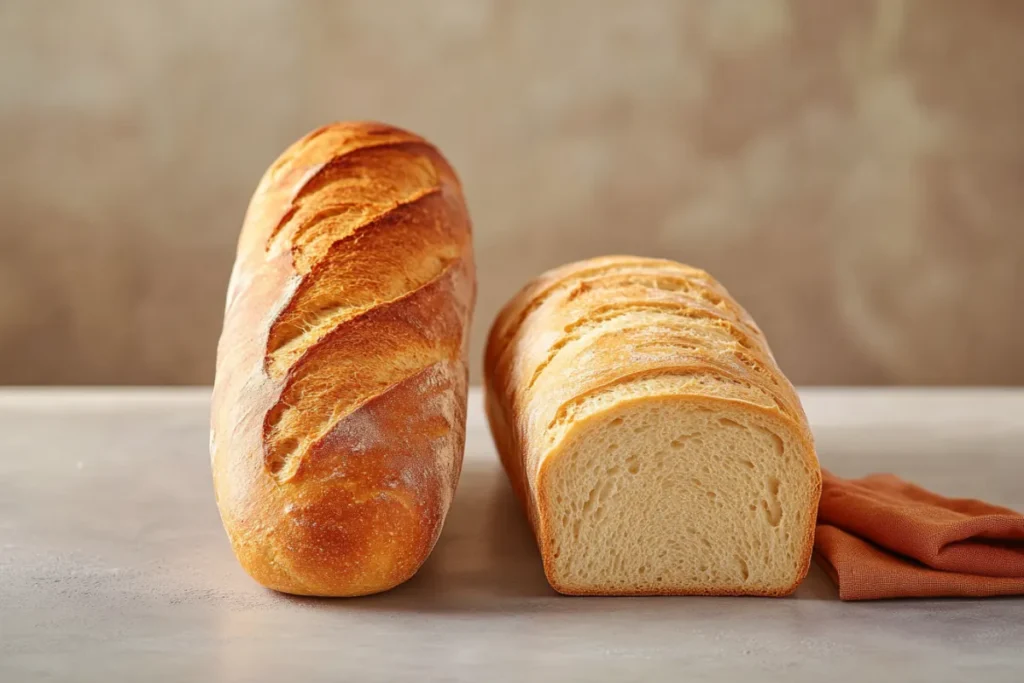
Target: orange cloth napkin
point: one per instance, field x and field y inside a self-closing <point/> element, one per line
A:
<point x="881" y="537"/>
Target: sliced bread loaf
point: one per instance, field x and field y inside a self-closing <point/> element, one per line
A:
<point x="650" y="435"/>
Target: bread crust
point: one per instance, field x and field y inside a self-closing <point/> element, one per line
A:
<point x="339" y="405"/>
<point x="534" y="376"/>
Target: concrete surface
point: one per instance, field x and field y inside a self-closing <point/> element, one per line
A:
<point x="113" y="566"/>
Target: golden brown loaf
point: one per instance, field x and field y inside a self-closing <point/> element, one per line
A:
<point x="649" y="434"/>
<point x="339" y="405"/>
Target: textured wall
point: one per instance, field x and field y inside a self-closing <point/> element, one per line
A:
<point x="853" y="171"/>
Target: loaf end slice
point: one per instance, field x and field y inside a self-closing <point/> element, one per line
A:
<point x="678" y="495"/>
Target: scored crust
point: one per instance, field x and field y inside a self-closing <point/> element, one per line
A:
<point x="338" y="415"/>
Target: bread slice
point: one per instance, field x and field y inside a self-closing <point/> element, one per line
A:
<point x="656" y="446"/>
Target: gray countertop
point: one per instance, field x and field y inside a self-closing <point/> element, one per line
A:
<point x="113" y="566"/>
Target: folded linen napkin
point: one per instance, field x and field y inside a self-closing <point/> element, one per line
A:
<point x="881" y="537"/>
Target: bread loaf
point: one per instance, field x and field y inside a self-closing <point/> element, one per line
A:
<point x="649" y="434"/>
<point x="339" y="406"/>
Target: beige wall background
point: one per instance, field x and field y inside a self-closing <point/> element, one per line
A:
<point x="853" y="171"/>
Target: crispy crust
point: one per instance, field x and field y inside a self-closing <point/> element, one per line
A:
<point x="338" y="418"/>
<point x="537" y="370"/>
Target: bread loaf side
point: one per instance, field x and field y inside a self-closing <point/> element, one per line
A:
<point x="338" y="418"/>
<point x="649" y="434"/>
